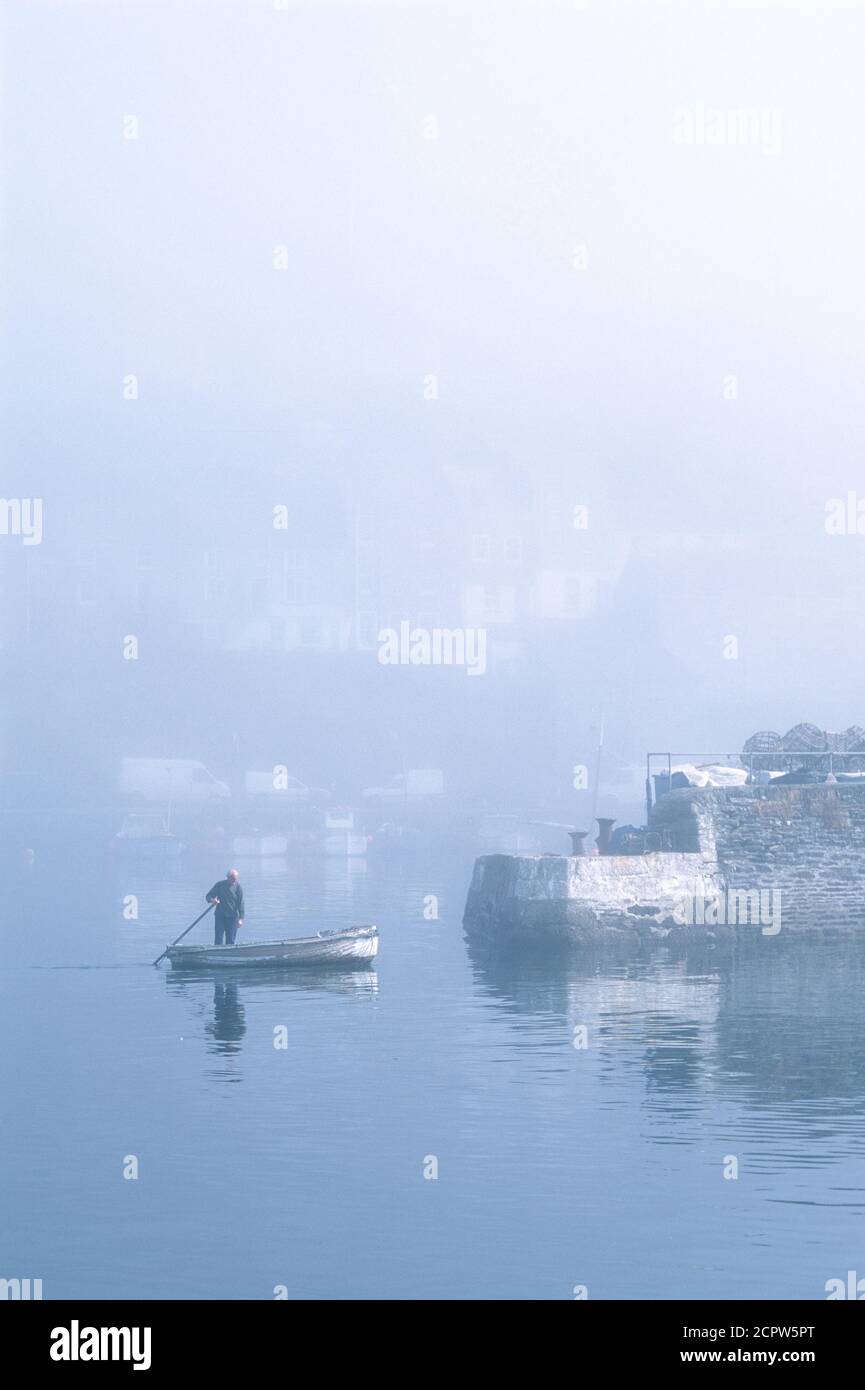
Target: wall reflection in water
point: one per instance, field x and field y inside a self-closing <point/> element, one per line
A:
<point x="766" y="1022"/>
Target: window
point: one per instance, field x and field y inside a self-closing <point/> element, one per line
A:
<point x="143" y="593"/>
<point x="88" y="590"/>
<point x="297" y="577"/>
<point x="481" y="549"/>
<point x="367" y="630"/>
<point x="213" y="583"/>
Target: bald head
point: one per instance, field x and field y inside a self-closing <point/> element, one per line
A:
<point x="232" y="875"/>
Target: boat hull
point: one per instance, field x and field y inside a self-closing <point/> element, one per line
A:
<point x="260" y="846"/>
<point x="356" y="947"/>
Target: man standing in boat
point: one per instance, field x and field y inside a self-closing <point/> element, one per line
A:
<point x="228" y="896"/>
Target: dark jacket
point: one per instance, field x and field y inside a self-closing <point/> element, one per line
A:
<point x="230" y="897"/>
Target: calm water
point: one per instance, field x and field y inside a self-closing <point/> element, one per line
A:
<point x="304" y="1167"/>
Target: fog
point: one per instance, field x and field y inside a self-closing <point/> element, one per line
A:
<point x="325" y="318"/>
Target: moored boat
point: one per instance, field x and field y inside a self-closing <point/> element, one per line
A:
<point x="356" y="946"/>
<point x="340" y="837"/>
<point x="257" y="846"/>
<point x="147" y="832"/>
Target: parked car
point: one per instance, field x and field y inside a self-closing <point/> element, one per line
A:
<point x="275" y="785"/>
<point x="418" y="782"/>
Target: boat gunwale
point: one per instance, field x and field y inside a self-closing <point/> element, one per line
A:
<point x="352" y="933"/>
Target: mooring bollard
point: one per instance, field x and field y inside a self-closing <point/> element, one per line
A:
<point x="605" y="833"/>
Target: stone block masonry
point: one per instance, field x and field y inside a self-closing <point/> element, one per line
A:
<point x="805" y="842"/>
<point x="805" y="845"/>
<point x="514" y="897"/>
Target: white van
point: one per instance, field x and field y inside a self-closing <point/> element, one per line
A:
<point x="175" y="780"/>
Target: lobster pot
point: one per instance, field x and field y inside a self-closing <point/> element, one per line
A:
<point x="854" y="742"/>
<point x="808" y="739"/>
<point x="762" y="751"/>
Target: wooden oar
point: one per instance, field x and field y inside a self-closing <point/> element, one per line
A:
<point x="209" y="908"/>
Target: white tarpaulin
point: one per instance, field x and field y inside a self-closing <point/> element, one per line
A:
<point x="712" y="775"/>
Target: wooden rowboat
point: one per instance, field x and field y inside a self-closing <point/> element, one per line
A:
<point x="356" y="946"/>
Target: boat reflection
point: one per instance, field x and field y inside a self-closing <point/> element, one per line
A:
<point x="224" y="1010"/>
<point x="359" y="979"/>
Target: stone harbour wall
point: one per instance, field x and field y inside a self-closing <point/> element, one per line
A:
<point x="515" y="897"/>
<point x="807" y="843"/>
<point x="800" y="847"/>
